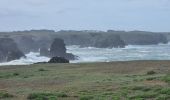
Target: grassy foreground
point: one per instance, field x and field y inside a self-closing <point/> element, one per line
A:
<point x="135" y="80"/>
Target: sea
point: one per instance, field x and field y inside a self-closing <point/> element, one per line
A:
<point x="91" y="54"/>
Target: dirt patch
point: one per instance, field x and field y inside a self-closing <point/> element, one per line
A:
<point x="155" y="83"/>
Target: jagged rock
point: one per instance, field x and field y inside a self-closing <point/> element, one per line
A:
<point x="58" y="60"/>
<point x="9" y="50"/>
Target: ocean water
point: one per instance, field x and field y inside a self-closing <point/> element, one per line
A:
<point x="131" y="52"/>
<point x="91" y="54"/>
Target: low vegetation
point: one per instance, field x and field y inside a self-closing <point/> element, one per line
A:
<point x="166" y="78"/>
<point x="137" y="80"/>
<point x="5" y="95"/>
<point x="151" y="72"/>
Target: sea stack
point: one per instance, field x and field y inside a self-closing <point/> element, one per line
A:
<point x="58" y="49"/>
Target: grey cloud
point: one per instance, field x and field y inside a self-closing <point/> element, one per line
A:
<point x="152" y="15"/>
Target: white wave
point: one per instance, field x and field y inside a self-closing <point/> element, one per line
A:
<point x="30" y="59"/>
<point x="91" y="54"/>
<point x="130" y="52"/>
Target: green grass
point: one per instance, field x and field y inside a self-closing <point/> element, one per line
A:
<point x="42" y="96"/>
<point x="87" y="81"/>
<point x="165" y="91"/>
<point x="4" y="95"/>
<point x="42" y="69"/>
<point x="86" y="97"/>
<point x="46" y="96"/>
<point x="166" y="78"/>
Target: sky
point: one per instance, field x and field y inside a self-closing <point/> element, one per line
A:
<point x="144" y="15"/>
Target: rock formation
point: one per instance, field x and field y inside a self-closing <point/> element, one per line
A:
<point x="27" y="44"/>
<point x="9" y="50"/>
<point x="110" y="42"/>
<point x="58" y="60"/>
<point x="58" y="48"/>
<point x="44" y="51"/>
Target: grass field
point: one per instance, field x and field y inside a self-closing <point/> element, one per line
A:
<point x="135" y="80"/>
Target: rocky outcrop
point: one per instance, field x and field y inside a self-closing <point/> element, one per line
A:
<point x="97" y="38"/>
<point x="9" y="50"/>
<point x="110" y="42"/>
<point x="143" y="38"/>
<point x="58" y="60"/>
<point x="27" y="44"/>
<point x="35" y="39"/>
<point x="58" y="48"/>
<point x="163" y="39"/>
<point x="44" y="51"/>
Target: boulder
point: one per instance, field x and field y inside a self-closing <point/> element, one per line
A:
<point x="70" y="56"/>
<point x="58" y="60"/>
<point x="9" y="50"/>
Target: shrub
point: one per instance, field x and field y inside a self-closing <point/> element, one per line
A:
<point x="15" y="74"/>
<point x="41" y="69"/>
<point x="145" y="95"/>
<point x="163" y="97"/>
<point x="141" y="88"/>
<point x="116" y="97"/>
<point x="86" y="98"/>
<point x="165" y="91"/>
<point x="166" y="78"/>
<point x="151" y="78"/>
<point x="5" y="95"/>
<point x="42" y="96"/>
<point x="62" y="94"/>
<point x="151" y="72"/>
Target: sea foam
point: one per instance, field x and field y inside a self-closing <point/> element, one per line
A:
<point x="91" y="54"/>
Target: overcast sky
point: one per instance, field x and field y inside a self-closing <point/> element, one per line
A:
<point x="146" y="15"/>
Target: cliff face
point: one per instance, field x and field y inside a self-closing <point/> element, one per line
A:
<point x="167" y="36"/>
<point x="93" y="39"/>
<point x="32" y="41"/>
<point x="109" y="42"/>
<point x="9" y="50"/>
<point x="143" y="38"/>
<point x="97" y="39"/>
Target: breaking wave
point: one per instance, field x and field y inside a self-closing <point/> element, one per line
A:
<point x="31" y="58"/>
<point x="91" y="54"/>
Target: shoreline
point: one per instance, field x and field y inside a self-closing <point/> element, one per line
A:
<point x="43" y="63"/>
